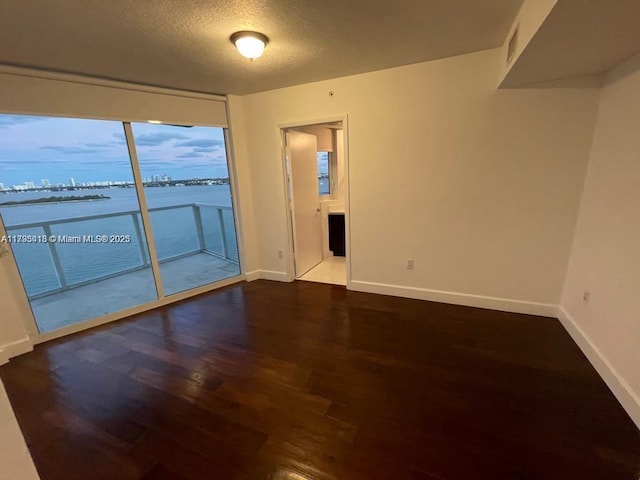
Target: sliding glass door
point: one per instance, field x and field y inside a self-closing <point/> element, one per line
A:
<point x="186" y="184"/>
<point x="70" y="205"/>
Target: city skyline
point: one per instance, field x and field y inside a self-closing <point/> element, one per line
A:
<point x="45" y="184"/>
<point x="57" y="149"/>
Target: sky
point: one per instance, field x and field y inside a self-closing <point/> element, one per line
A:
<point x="58" y="149"/>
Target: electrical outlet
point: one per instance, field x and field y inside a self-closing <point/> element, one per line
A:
<point x="409" y="264"/>
<point x="280" y="254"/>
<point x="586" y="296"/>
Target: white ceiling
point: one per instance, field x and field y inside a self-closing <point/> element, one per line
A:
<point x="579" y="38"/>
<point x="185" y="44"/>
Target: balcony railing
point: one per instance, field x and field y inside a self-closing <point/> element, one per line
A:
<point x="213" y="237"/>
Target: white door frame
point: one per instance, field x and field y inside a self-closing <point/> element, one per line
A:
<point x="282" y="127"/>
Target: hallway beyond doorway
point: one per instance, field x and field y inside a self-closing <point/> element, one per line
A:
<point x="331" y="270"/>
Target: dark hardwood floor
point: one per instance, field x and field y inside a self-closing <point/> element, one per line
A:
<point x="308" y="381"/>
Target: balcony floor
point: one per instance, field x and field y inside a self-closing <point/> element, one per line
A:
<point x="128" y="290"/>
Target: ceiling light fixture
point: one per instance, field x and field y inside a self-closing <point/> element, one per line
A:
<point x="250" y="44"/>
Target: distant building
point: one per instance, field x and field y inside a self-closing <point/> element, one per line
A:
<point x="29" y="185"/>
<point x="72" y="182"/>
<point x="1" y="186"/>
<point x="45" y="182"/>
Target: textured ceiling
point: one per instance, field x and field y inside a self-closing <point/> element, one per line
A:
<point x="185" y="44"/>
<point x="579" y="38"/>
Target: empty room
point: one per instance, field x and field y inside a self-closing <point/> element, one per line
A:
<point x="336" y="240"/>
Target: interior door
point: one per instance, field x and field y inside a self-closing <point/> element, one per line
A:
<point x="305" y="200"/>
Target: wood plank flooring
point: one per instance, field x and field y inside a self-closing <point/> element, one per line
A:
<point x="307" y="381"/>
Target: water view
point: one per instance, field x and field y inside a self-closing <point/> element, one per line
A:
<point x="175" y="231"/>
<point x="74" y="223"/>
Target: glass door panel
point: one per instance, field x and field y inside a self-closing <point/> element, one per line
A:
<point x="186" y="183"/>
<point x="72" y="216"/>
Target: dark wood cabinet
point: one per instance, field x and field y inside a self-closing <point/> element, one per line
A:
<point x="337" y="234"/>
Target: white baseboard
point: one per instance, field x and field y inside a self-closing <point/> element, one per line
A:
<point x="493" y="303"/>
<point x="267" y="275"/>
<point x="251" y="276"/>
<point x="629" y="399"/>
<point x="13" y="349"/>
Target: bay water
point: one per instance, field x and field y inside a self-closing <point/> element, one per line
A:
<point x="174" y="231"/>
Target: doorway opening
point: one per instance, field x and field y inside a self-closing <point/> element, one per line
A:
<point x="316" y="179"/>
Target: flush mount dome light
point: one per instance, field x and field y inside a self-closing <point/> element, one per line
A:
<point x="250" y="44"/>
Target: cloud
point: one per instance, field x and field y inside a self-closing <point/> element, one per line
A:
<point x="119" y="139"/>
<point x="150" y="164"/>
<point x="155" y="139"/>
<point x="202" y="142"/>
<point x="10" y="120"/>
<point x="70" y="150"/>
<point x="33" y="162"/>
<point x="102" y="161"/>
<point x="98" y="145"/>
<point x="205" y="149"/>
<point x="190" y="155"/>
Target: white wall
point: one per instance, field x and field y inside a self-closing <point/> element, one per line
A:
<point x="14" y="310"/>
<point x="605" y="258"/>
<point x="480" y="187"/>
<point x="530" y="18"/>
<point x="244" y="198"/>
<point x="324" y="137"/>
<point x="15" y="460"/>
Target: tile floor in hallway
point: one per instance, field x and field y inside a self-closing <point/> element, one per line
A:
<point x="331" y="270"/>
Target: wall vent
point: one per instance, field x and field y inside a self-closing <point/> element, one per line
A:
<point x="513" y="45"/>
